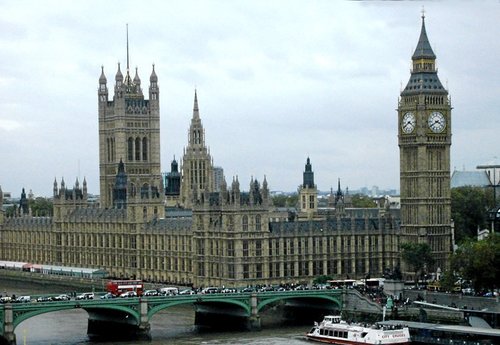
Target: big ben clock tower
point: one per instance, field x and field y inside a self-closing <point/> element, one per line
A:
<point x="424" y="118"/>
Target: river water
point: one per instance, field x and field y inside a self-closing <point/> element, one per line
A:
<point x="171" y="326"/>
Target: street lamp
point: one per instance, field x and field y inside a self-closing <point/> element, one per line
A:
<point x="493" y="183"/>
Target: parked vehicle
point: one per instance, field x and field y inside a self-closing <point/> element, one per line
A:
<point x="85" y="295"/>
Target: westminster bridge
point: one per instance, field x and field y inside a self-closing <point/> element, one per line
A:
<point x="130" y="317"/>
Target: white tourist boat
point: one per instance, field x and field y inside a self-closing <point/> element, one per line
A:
<point x="334" y="330"/>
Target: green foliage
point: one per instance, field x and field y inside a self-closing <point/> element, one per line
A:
<point x="11" y="211"/>
<point x="41" y="207"/>
<point x="469" y="206"/>
<point x="363" y="201"/>
<point x="448" y="280"/>
<point x="418" y="256"/>
<point x="285" y="200"/>
<point x="479" y="261"/>
<point x="321" y="279"/>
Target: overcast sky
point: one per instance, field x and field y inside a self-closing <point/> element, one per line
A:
<point x="277" y="81"/>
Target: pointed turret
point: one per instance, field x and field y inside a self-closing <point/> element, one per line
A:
<point x="423" y="49"/>
<point x="308" y="177"/>
<point x="137" y="80"/>
<point x="84" y="188"/>
<point x="196" y="110"/>
<point x="424" y="78"/>
<point x="23" y="203"/>
<point x="153" y="78"/>
<point x="119" y="76"/>
<point x="120" y="190"/>
<point x="102" y="78"/>
<point x="54" y="188"/>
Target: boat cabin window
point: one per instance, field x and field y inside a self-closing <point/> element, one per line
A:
<point x="336" y="334"/>
<point x="330" y="333"/>
<point x="363" y="334"/>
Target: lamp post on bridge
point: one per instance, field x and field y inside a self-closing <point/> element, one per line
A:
<point x="494" y="182"/>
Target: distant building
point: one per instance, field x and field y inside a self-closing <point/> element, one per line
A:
<point x="477" y="178"/>
<point x="218" y="178"/>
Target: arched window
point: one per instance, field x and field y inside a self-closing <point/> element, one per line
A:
<point x="244" y="222"/>
<point x="145" y="191"/>
<point x="144" y="149"/>
<point x="130" y="149"/>
<point x="137" y="149"/>
<point x="257" y="222"/>
<point x="133" y="190"/>
<point x="108" y="146"/>
<point x="144" y="212"/>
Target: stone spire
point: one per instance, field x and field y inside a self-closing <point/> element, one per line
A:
<point x="308" y="176"/>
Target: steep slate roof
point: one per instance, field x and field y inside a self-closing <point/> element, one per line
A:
<point x="423" y="49"/>
<point x="469" y="178"/>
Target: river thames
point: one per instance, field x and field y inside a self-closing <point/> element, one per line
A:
<point x="172" y="326"/>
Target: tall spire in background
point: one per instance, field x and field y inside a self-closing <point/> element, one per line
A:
<point x="128" y="79"/>
<point x="128" y="65"/>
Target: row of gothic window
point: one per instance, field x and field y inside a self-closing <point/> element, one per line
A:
<point x="137" y="149"/>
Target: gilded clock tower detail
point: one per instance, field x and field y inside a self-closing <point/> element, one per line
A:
<point x="424" y="119"/>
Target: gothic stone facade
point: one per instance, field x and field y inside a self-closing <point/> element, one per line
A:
<point x="232" y="238"/>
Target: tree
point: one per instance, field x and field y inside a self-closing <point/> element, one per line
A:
<point x="469" y="206"/>
<point x="321" y="279"/>
<point x="41" y="207"/>
<point x="362" y="201"/>
<point x="448" y="280"/>
<point x="283" y="200"/>
<point x="479" y="261"/>
<point x="418" y="256"/>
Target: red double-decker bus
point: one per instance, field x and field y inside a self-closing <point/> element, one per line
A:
<point x="117" y="287"/>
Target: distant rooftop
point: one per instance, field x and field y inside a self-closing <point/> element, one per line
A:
<point x="469" y="178"/>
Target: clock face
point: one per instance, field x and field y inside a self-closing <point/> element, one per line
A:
<point x="408" y="122"/>
<point x="436" y="122"/>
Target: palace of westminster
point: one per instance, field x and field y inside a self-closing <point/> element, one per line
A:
<point x="186" y="230"/>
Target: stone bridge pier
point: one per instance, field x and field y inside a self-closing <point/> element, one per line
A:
<point x="9" y="337"/>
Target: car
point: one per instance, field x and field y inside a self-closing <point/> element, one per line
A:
<point x="62" y="297"/>
<point x="169" y="291"/>
<point x="209" y="290"/>
<point x="186" y="292"/>
<point x="85" y="295"/>
<point x="23" y="299"/>
<point x="151" y="293"/>
<point x="128" y="294"/>
<point x="44" y="299"/>
<point x="108" y="295"/>
<point x="5" y="299"/>
<point x="247" y="289"/>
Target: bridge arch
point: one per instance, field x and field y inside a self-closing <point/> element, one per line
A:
<point x="21" y="316"/>
<point x="262" y="303"/>
<point x="164" y="305"/>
